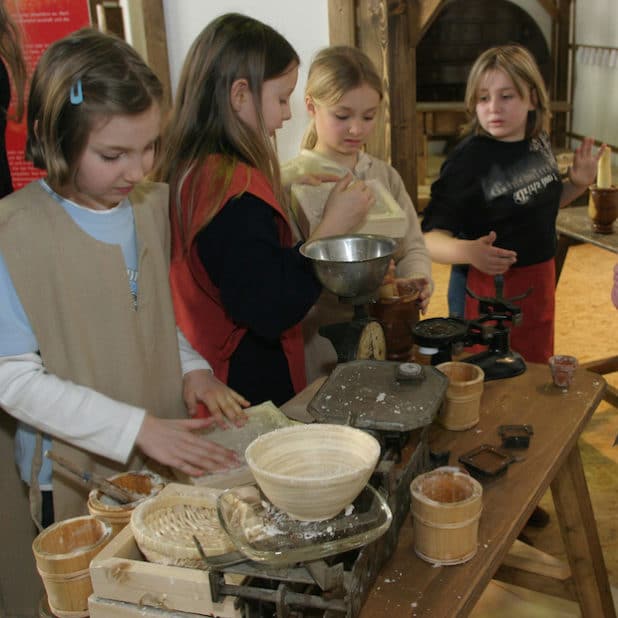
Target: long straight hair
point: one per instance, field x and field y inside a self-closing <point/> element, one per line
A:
<point x="519" y="64"/>
<point x="203" y="121"/>
<point x="335" y="71"/>
<point x="11" y="52"/>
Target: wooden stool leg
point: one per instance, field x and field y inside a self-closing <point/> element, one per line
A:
<point x="581" y="539"/>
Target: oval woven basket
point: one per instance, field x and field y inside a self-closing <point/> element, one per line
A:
<point x="164" y="527"/>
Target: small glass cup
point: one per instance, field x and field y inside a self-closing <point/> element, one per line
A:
<point x="562" y="370"/>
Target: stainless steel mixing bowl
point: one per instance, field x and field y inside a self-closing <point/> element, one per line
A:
<point x="351" y="265"/>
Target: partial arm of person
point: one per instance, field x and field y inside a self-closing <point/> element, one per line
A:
<point x="615" y="287"/>
<point x="414" y="262"/>
<point x="582" y="173"/>
<point x="112" y="428"/>
<point x="481" y="253"/>
<point x="200" y="385"/>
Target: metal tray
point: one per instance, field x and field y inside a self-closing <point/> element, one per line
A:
<point x="371" y="395"/>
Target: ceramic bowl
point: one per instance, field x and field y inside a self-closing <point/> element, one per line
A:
<point x="352" y="265"/>
<point x="312" y="472"/>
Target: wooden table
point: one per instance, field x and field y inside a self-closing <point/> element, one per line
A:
<point x="407" y="586"/>
<point x="574" y="227"/>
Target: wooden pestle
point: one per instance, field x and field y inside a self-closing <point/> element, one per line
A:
<point x="95" y="481"/>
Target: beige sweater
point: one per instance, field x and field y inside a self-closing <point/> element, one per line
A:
<point x="74" y="290"/>
<point x="411" y="258"/>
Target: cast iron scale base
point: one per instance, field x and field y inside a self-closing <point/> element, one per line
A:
<point x="362" y="338"/>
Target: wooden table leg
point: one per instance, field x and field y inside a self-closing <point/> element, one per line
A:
<point x="581" y="538"/>
<point x="562" y="248"/>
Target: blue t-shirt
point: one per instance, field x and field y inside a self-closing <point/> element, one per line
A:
<point x="115" y="226"/>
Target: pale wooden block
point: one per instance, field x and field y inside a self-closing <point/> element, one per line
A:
<point x="120" y="573"/>
<point x="107" y="608"/>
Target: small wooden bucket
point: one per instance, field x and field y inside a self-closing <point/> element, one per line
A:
<point x="117" y="515"/>
<point x="461" y="406"/>
<point x="63" y="553"/>
<point x="446" y="507"/>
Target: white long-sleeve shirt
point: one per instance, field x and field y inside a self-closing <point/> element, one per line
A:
<point x="59" y="407"/>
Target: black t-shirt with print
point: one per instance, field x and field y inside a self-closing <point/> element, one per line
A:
<point x="512" y="188"/>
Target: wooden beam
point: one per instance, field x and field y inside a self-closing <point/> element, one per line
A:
<point x="402" y="24"/>
<point x="341" y="22"/>
<point x="561" y="25"/>
<point x="373" y="39"/>
<point x="550" y="7"/>
<point x="145" y="30"/>
<point x="428" y="10"/>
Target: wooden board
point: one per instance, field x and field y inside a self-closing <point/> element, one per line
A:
<point x="106" y="608"/>
<point x="121" y="573"/>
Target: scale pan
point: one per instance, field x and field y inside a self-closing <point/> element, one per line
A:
<point x="352" y="265"/>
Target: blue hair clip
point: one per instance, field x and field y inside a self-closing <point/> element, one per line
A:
<point x="77" y="95"/>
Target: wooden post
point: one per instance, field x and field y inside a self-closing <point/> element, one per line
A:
<point x="342" y="22"/>
<point x="373" y="39"/>
<point x="403" y="31"/>
<point x="145" y="30"/>
<point x="561" y="60"/>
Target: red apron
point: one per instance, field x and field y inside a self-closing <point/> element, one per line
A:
<point x="534" y="337"/>
<point x="197" y="302"/>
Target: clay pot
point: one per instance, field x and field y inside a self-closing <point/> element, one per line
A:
<point x="603" y="208"/>
<point x="398" y="316"/>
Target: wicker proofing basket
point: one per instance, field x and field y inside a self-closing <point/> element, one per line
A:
<point x="63" y="553"/>
<point x="164" y="527"/>
<point x="446" y="508"/>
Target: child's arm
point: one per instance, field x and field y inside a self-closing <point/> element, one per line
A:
<point x="582" y="173"/>
<point x="413" y="262"/>
<point x="101" y="425"/>
<point x="202" y="387"/>
<point x="481" y="253"/>
<point x="346" y="208"/>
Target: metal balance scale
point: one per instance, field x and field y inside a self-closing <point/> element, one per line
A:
<point x="396" y="402"/>
<point x="490" y="329"/>
<point x="353" y="267"/>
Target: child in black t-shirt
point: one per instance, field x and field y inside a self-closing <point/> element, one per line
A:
<point x="495" y="203"/>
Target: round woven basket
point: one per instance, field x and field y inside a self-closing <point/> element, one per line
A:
<point x="164" y="527"/>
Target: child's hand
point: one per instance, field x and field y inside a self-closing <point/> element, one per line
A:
<point x="173" y="443"/>
<point x="489" y="259"/>
<point x="424" y="286"/>
<point x="346" y="207"/>
<point x="201" y="386"/>
<point x="584" y="169"/>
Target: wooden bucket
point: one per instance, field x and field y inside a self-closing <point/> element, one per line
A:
<point x="118" y="515"/>
<point x="63" y="553"/>
<point x="462" y="403"/>
<point x="446" y="507"/>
